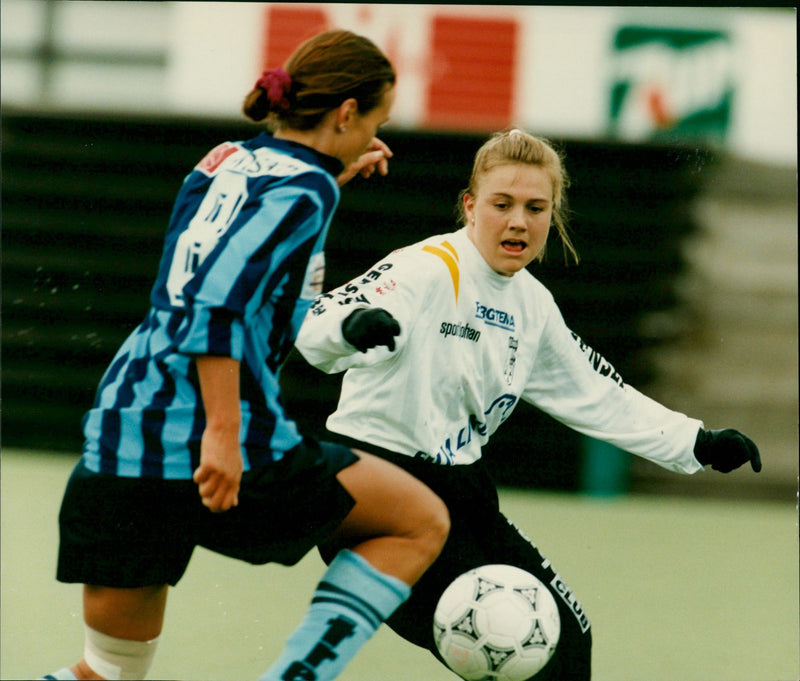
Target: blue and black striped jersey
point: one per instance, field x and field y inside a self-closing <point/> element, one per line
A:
<point x="243" y="259"/>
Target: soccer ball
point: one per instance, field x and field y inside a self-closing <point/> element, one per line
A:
<point x="496" y="623"/>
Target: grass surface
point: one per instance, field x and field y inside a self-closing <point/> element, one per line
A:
<point x="677" y="590"/>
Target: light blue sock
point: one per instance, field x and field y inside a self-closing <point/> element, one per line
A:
<point x="350" y="603"/>
<point x="61" y="675"/>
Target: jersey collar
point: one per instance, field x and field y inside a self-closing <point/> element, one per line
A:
<point x="331" y="164"/>
<point x="470" y="251"/>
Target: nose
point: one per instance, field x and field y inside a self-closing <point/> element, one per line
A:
<point x="516" y="219"/>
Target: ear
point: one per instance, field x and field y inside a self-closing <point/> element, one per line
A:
<point x="469" y="207"/>
<point x="347" y="110"/>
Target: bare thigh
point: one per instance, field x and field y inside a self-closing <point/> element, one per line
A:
<point x="398" y="524"/>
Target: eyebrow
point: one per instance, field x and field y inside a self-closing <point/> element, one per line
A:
<point x="542" y="199"/>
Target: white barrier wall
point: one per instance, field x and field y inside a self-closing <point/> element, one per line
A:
<point x="726" y="76"/>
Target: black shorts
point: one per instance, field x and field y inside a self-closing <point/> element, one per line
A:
<point x="133" y="532"/>
<point x="480" y="535"/>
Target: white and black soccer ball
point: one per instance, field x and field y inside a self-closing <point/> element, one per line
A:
<point x="496" y="623"/>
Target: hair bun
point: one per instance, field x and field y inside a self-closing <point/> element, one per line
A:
<point x="277" y="83"/>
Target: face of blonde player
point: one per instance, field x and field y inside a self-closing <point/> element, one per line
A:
<point x="508" y="218"/>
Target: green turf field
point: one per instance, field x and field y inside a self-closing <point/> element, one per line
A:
<point x="677" y="590"/>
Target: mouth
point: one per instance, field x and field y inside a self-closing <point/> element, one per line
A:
<point x="514" y="246"/>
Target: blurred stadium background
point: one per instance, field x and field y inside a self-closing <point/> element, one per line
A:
<point x="680" y="132"/>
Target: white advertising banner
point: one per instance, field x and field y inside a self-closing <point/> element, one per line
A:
<point x="724" y="76"/>
<point x="719" y="75"/>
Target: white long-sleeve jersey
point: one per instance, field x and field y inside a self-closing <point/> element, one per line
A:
<point x="472" y="344"/>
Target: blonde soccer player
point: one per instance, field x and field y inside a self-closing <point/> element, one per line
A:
<point x="441" y="339"/>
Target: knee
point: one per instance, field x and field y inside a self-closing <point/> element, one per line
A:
<point x="136" y="613"/>
<point x="405" y="507"/>
<point x="435" y="527"/>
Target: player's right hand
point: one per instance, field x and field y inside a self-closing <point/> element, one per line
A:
<point x="219" y="474"/>
<point x="726" y="450"/>
<point x="375" y="158"/>
<point x="367" y="328"/>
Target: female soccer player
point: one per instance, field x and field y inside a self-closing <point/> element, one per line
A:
<point x="191" y="402"/>
<point x="441" y="339"/>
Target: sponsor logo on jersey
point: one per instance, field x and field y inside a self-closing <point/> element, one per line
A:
<point x="498" y="411"/>
<point x="598" y="362"/>
<point x="494" y="317"/>
<point x="386" y="287"/>
<point x="255" y="163"/>
<point x="458" y="330"/>
<point x="511" y="359"/>
<point x="355" y="292"/>
<point x="265" y="161"/>
<point x="214" y="158"/>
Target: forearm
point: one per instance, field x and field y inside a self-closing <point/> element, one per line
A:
<point x="393" y="285"/>
<point x="220" y="471"/>
<point x="219" y="388"/>
<point x="578" y="387"/>
<point x="321" y="342"/>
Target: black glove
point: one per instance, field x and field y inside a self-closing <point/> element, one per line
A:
<point x="366" y="328"/>
<point x="725" y="450"/>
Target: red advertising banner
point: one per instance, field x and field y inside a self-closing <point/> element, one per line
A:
<point x="471" y="61"/>
<point x="473" y="72"/>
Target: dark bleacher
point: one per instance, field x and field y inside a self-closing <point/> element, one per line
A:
<point x="86" y="201"/>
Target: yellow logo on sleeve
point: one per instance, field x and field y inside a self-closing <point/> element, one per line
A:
<point x="449" y="256"/>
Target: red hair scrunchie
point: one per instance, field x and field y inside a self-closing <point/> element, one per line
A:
<point x="276" y="83"/>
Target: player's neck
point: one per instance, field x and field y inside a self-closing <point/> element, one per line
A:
<point x="319" y="138"/>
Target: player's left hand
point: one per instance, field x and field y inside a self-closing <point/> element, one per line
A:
<point x="726" y="450"/>
<point x="376" y="157"/>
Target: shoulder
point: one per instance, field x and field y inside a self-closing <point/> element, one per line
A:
<point x="434" y="259"/>
<point x="528" y="282"/>
<point x="419" y="268"/>
<point x="534" y="300"/>
<point x="439" y="254"/>
<point x="267" y="161"/>
<point x="424" y="253"/>
<point x="444" y="247"/>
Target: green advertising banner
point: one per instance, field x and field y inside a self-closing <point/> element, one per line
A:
<point x="671" y="84"/>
